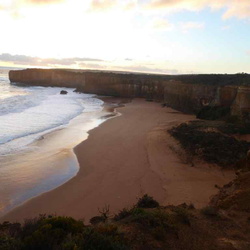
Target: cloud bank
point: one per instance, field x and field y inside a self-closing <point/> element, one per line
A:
<point x="43" y="1"/>
<point x="29" y="60"/>
<point x="83" y="63"/>
<point x="191" y="25"/>
<point x="233" y="8"/>
<point x="161" y="24"/>
<point x="101" y="5"/>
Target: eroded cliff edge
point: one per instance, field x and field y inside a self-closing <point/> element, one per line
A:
<point x="187" y="93"/>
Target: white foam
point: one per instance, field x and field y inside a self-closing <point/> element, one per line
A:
<point x="29" y="112"/>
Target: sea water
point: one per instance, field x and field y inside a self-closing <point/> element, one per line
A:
<point x="38" y="129"/>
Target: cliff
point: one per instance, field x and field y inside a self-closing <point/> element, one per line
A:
<point x="187" y="93"/>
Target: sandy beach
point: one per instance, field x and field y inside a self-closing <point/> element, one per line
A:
<point x="122" y="159"/>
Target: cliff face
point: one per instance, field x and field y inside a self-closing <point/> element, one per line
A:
<point x="185" y="93"/>
<point x="189" y="97"/>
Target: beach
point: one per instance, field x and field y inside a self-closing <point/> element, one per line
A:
<point x="124" y="158"/>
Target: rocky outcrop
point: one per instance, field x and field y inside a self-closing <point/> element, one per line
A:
<point x="187" y="93"/>
<point x="241" y="103"/>
<point x="63" y="92"/>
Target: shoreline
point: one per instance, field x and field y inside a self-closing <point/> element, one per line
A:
<point x="48" y="162"/>
<point x="133" y="150"/>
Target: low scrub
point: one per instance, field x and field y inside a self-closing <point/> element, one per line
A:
<point x="211" y="146"/>
<point x="147" y="201"/>
<point x="56" y="232"/>
<point x="210" y="211"/>
<point x="213" y="112"/>
<point x="172" y="227"/>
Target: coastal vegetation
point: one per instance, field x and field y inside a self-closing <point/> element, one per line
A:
<point x="239" y="79"/>
<point x="211" y="142"/>
<point x="146" y="225"/>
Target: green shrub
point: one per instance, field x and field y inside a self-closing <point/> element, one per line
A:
<point x="159" y="233"/>
<point x="96" y="220"/>
<point x="123" y="214"/>
<point x="183" y="215"/>
<point x="92" y="239"/>
<point x="213" y="112"/>
<point x="153" y="219"/>
<point x="147" y="201"/>
<point x="210" y="211"/>
<point x="9" y="243"/>
<point x="49" y="233"/>
<point x="213" y="147"/>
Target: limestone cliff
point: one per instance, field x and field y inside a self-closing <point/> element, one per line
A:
<point x="187" y="93"/>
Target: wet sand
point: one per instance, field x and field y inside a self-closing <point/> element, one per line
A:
<point x="124" y="158"/>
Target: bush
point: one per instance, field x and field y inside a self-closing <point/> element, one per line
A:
<point x="49" y="233"/>
<point x="102" y="239"/>
<point x="9" y="243"/>
<point x="96" y="220"/>
<point x="123" y="214"/>
<point x="210" y="211"/>
<point x="147" y="201"/>
<point x="153" y="219"/>
<point x="213" y="112"/>
<point x="104" y="215"/>
<point x="183" y="215"/>
<point x="213" y="147"/>
<point x="56" y="232"/>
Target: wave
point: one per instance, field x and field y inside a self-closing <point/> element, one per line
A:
<point x="29" y="112"/>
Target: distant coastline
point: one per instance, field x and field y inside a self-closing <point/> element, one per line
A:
<point x="186" y="93"/>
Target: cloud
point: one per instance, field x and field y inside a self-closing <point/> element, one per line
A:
<point x="29" y="60"/>
<point x="44" y="1"/>
<point x="92" y="66"/>
<point x="14" y="7"/>
<point x="239" y="9"/>
<point x="16" y="59"/>
<point x="78" y="62"/>
<point x="161" y="24"/>
<point x="233" y="8"/>
<point x="101" y="5"/>
<point x="178" y="4"/>
<point x="19" y="3"/>
<point x="146" y="69"/>
<point x="191" y="25"/>
<point x="130" y="5"/>
<point x="106" y="5"/>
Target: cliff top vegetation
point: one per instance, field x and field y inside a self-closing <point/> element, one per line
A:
<point x="140" y="227"/>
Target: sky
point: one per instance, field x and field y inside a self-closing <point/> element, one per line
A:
<point x="154" y="36"/>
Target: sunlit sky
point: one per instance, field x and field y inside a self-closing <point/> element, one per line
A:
<point x="160" y="36"/>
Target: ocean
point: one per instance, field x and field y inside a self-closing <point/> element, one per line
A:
<point x="39" y="128"/>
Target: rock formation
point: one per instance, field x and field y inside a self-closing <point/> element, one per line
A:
<point x="63" y="92"/>
<point x="187" y="93"/>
